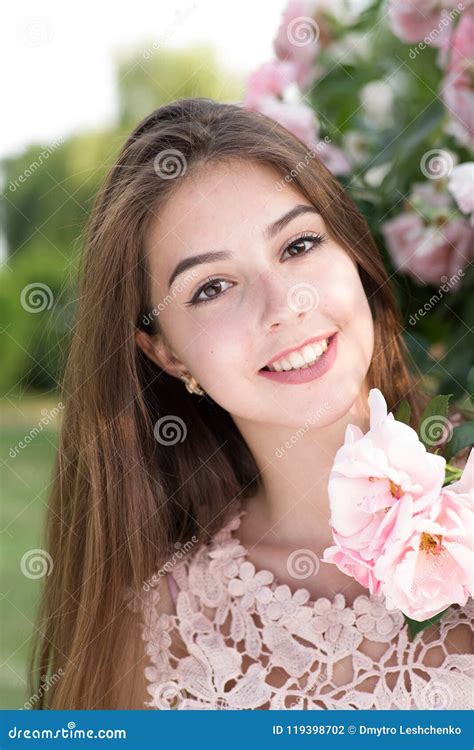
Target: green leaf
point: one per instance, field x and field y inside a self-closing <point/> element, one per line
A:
<point x="416" y="626"/>
<point x="403" y="412"/>
<point x="462" y="437"/>
<point x="433" y="421"/>
<point x="470" y="384"/>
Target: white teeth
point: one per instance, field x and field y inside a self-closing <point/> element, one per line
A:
<point x="301" y="359"/>
<point x="296" y="359"/>
<point x="308" y="353"/>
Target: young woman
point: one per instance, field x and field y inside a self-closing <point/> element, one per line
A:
<point x="190" y="507"/>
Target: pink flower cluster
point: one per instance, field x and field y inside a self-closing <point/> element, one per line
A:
<point x="430" y="249"/>
<point x="396" y="530"/>
<point x="275" y="89"/>
<point x="431" y="241"/>
<point x="450" y="27"/>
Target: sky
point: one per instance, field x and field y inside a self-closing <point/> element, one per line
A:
<point x="57" y="57"/>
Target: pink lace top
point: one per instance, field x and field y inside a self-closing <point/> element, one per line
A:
<point x="239" y="640"/>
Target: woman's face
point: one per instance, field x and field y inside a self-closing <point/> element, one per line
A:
<point x="272" y="292"/>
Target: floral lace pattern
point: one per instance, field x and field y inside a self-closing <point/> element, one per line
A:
<point x="239" y="640"/>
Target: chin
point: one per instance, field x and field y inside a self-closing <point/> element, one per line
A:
<point x="337" y="400"/>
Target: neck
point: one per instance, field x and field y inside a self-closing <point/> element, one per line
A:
<point x="292" y="506"/>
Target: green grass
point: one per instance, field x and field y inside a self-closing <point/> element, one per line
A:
<point x="25" y="480"/>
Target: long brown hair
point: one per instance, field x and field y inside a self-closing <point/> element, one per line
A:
<point x="122" y="500"/>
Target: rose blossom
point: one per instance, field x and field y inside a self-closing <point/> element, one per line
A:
<point x="461" y="186"/>
<point x="271" y="78"/>
<point x="413" y="21"/>
<point x="429" y="564"/>
<point x="428" y="252"/>
<point x="298" y="39"/>
<point x="375" y="479"/>
<point x="457" y="89"/>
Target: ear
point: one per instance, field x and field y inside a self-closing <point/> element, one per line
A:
<point x="159" y="352"/>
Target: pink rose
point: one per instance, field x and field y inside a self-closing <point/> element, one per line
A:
<point x="428" y="565"/>
<point x="375" y="479"/>
<point x="294" y="40"/>
<point x="427" y="253"/>
<point x="299" y="37"/>
<point x="457" y="90"/>
<point x="461" y="186"/>
<point x="271" y="78"/>
<point x="413" y="21"/>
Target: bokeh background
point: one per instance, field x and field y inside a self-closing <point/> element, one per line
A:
<point x="382" y="92"/>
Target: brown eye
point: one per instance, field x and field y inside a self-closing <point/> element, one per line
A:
<point x="299" y="244"/>
<point x="210" y="284"/>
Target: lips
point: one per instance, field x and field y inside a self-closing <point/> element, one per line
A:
<point x="302" y="375"/>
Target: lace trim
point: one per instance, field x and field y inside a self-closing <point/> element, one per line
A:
<point x="240" y="640"/>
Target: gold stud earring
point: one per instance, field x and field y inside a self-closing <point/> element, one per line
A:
<point x="192" y="385"/>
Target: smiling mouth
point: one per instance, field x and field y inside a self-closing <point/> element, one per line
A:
<point x="302" y="358"/>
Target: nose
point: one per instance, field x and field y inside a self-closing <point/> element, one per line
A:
<point x="282" y="302"/>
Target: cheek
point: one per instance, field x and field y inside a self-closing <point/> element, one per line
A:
<point x="219" y="346"/>
<point x="343" y="300"/>
<point x="341" y="293"/>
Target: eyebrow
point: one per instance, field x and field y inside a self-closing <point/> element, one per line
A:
<point x="269" y="232"/>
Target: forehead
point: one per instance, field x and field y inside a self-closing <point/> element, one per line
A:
<point x="216" y="203"/>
